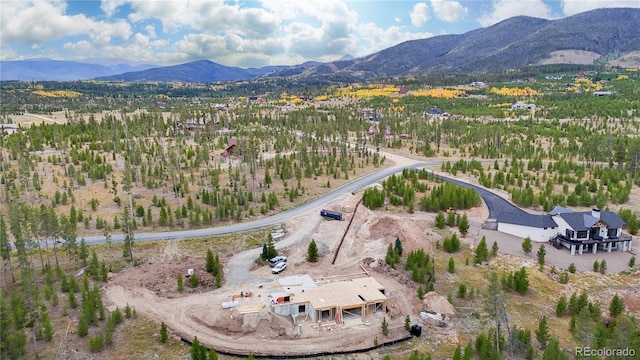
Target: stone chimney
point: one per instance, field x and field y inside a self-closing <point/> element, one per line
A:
<point x="595" y="212"/>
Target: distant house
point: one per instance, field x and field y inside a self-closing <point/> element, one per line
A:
<point x="192" y="124"/>
<point x="434" y="111"/>
<point x="371" y="115"/>
<point x="373" y="129"/>
<point x="403" y="90"/>
<point x="479" y="84"/>
<point x="9" y="129"/>
<point x="523" y="106"/>
<point x="553" y="77"/>
<point x="602" y="93"/>
<point x="587" y="231"/>
<point x="231" y="144"/>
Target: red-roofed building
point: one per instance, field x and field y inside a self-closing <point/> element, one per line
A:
<point x="231" y="144"/>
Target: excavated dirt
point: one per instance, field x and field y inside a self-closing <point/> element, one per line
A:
<point x="151" y="288"/>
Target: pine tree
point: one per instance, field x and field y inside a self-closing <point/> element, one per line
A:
<point x="617" y="306"/>
<point x="398" y="246"/>
<point x="198" y="352"/>
<point x="542" y="334"/>
<point x="390" y="258"/>
<point x="463" y="225"/>
<point x="84" y="252"/>
<point x="494" y="248"/>
<point x="553" y="352"/>
<point x="180" y="284"/>
<point x="385" y="326"/>
<point x="164" y="333"/>
<point x="452" y="265"/>
<point x="83" y="326"/>
<point x="440" y="222"/>
<point x="194" y="281"/>
<point x="312" y="251"/>
<point x="213" y="355"/>
<point x="457" y="354"/>
<point x="271" y="248"/>
<point x="451" y="219"/>
<point x="527" y="246"/>
<point x="561" y="307"/>
<point x="603" y="266"/>
<point x="482" y="252"/>
<point x="407" y="323"/>
<point x="541" y="253"/>
<point x="210" y="261"/>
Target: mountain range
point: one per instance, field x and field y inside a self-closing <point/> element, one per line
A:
<point x="59" y="70"/>
<point x="603" y="35"/>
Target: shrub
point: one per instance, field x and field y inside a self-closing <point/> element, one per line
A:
<point x="603" y="266"/>
<point x="564" y="277"/>
<point x="180" y="284"/>
<point x="462" y="290"/>
<point x="194" y="281"/>
<point x="451" y="244"/>
<point x="96" y="343"/>
<point x="385" y="326"/>
<point x="83" y="326"/>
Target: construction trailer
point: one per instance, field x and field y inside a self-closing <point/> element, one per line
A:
<point x="334" y="301"/>
<point x="331" y="214"/>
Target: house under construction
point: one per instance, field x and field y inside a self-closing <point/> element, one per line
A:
<point x="306" y="300"/>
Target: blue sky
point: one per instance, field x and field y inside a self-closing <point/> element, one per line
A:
<point x="249" y="33"/>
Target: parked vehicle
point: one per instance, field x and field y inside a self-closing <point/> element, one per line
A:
<point x="331" y="214"/>
<point x="278" y="259"/>
<point x="279" y="267"/>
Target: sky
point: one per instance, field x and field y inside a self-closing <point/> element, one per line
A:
<point x="249" y="33"/>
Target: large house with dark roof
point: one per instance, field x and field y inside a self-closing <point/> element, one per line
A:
<point x="588" y="231"/>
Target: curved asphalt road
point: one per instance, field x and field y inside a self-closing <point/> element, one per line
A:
<point x="494" y="202"/>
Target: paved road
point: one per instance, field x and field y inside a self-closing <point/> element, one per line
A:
<point x="494" y="202"/>
<point x="271" y="220"/>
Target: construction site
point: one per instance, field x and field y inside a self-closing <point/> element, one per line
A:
<point x="334" y="306"/>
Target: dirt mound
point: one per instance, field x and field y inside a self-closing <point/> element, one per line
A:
<point x="162" y="277"/>
<point x="411" y="229"/>
<point x="438" y="304"/>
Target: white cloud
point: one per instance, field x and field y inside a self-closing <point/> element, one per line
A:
<point x="420" y="14"/>
<point x="38" y="22"/>
<point x="572" y="7"/>
<point x="110" y="6"/>
<point x="504" y="9"/>
<point x="151" y="30"/>
<point x="449" y="11"/>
